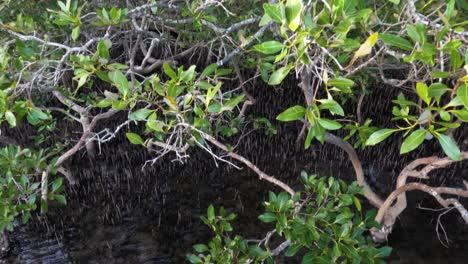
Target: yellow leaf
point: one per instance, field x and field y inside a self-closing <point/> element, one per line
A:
<point x="365" y="48"/>
<point x="171" y="102"/>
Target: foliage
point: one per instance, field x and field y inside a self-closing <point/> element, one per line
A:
<point x="329" y="228"/>
<point x="19" y="184"/>
<point x="171" y="68"/>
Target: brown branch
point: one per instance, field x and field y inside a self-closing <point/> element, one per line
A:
<point x="85" y="135"/>
<point x="388" y="214"/>
<point x="373" y="198"/>
<point x="262" y="175"/>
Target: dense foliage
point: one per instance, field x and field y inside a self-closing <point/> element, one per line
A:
<point x="175" y="70"/>
<point x="328" y="227"/>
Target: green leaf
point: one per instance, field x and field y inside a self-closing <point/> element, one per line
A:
<point x="10" y="118"/>
<point x="134" y="138"/>
<point x="452" y="45"/>
<point x="278" y="76"/>
<point x="267" y="217"/>
<point x="60" y="199"/>
<point x="210" y="213"/>
<point x="103" y="49"/>
<point x="24" y="51"/>
<point x="396" y="2"/>
<point x="75" y="33"/>
<point x="229" y="105"/>
<point x="449" y="146"/>
<point x="210" y="69"/>
<point x="188" y="75"/>
<point x="200" y="248"/>
<point x="413" y="33"/>
<point x="332" y="106"/>
<point x="413" y="141"/>
<point x="455" y="60"/>
<point x="269" y="47"/>
<point x="120" y="81"/>
<point x="357" y="203"/>
<point x="38" y="113"/>
<point x="462" y="93"/>
<point x="461" y="114"/>
<point x="340" y="83"/>
<point x="379" y="136"/>
<point x="56" y="184"/>
<point x="396" y="41"/>
<point x="439" y="74"/>
<point x="437" y="90"/>
<point x="275" y="12"/>
<point x="169" y="71"/>
<point x="329" y="124"/>
<point x="194" y="259"/>
<point x="140" y="114"/>
<point x="214" y="108"/>
<point x="384" y="252"/>
<point x="291" y="114"/>
<point x="455" y="102"/>
<point x="292" y="250"/>
<point x="293" y="13"/>
<point x="422" y="91"/>
<point x="308" y="140"/>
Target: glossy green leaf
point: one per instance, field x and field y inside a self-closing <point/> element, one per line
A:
<point x="275" y="11"/>
<point x="413" y="141"/>
<point x="169" y="71"/>
<point x="332" y="106"/>
<point x="23" y="50"/>
<point x="103" y="49"/>
<point x="462" y="93"/>
<point x="134" y="138"/>
<point x="291" y="114"/>
<point x="384" y="252"/>
<point x="461" y="114"/>
<point x="56" y="184"/>
<point x="188" y="75"/>
<point x="210" y="213"/>
<point x="269" y="47"/>
<point x="60" y="199"/>
<point x="210" y="69"/>
<point x="278" y="76"/>
<point x="293" y="13"/>
<point x="229" y="105"/>
<point x="340" y="83"/>
<point x="396" y="41"/>
<point x="200" y="248"/>
<point x="439" y="74"/>
<point x="413" y="33"/>
<point x="437" y="90"/>
<point x="10" y="118"/>
<point x="379" y="136"/>
<point x="120" y="81"/>
<point x="140" y="114"/>
<point x="308" y="140"/>
<point x="75" y="33"/>
<point x="329" y="124"/>
<point x="422" y="91"/>
<point x="267" y="217"/>
<point x="449" y="146"/>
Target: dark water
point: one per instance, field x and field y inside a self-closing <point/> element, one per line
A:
<point x="121" y="214"/>
<point x="166" y="234"/>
